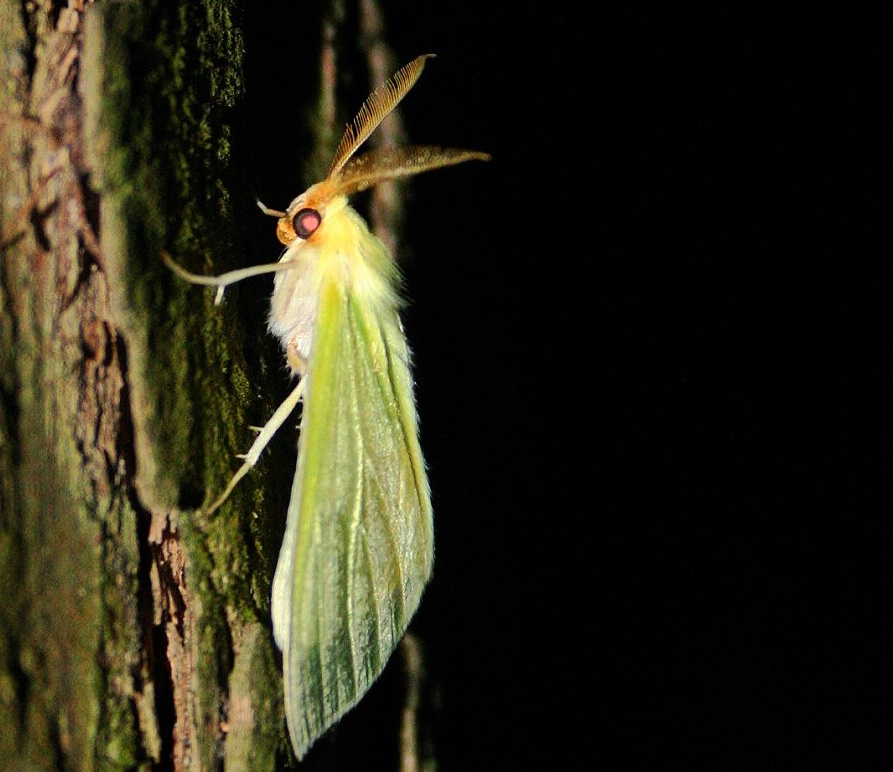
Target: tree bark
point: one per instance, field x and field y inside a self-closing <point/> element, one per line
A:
<point x="133" y="631"/>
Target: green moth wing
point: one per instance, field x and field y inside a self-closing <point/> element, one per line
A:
<point x="358" y="547"/>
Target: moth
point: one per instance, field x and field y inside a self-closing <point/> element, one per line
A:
<point x="358" y="545"/>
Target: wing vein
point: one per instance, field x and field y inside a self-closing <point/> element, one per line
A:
<point x="355" y="520"/>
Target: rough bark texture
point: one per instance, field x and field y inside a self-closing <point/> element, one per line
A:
<point x="133" y="632"/>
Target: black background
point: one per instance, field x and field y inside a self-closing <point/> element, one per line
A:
<point x="644" y="363"/>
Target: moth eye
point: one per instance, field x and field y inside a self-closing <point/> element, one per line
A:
<point x="306" y="222"/>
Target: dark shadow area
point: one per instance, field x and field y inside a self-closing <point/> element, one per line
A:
<point x="640" y="372"/>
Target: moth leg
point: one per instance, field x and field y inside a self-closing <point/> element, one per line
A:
<point x="225" y="279"/>
<point x="296" y="362"/>
<point x="263" y="438"/>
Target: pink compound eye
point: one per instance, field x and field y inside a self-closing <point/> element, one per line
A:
<point x="306" y="222"/>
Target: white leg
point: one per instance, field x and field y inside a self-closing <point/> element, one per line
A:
<point x="225" y="279"/>
<point x="263" y="438"/>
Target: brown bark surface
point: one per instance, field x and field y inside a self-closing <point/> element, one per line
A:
<point x="132" y="632"/>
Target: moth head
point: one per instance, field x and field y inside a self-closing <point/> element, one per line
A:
<point x="304" y="216"/>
